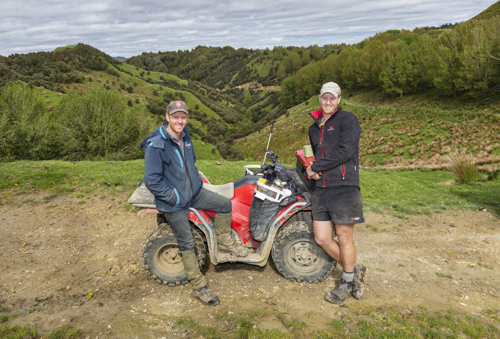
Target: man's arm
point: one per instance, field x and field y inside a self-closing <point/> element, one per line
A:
<point x="349" y="142"/>
<point x="153" y="178"/>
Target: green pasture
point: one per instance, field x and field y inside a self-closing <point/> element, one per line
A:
<point x="396" y="192"/>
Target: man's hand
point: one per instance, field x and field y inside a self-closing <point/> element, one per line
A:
<point x="312" y="175"/>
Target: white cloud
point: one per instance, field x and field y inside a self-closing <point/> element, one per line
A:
<point x="128" y="27"/>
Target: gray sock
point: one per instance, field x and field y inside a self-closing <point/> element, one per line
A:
<point x="348" y="276"/>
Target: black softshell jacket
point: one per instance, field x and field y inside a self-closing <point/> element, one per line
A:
<point x="336" y="148"/>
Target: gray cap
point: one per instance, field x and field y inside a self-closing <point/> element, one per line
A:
<point x="330" y="87"/>
<point x="177" y="106"/>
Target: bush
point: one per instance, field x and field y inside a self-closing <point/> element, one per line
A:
<point x="463" y="166"/>
<point x="23" y="124"/>
<point x="98" y="125"/>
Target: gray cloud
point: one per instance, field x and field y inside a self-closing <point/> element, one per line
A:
<point x="128" y="27"/>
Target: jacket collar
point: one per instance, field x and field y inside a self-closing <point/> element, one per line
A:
<point x="316" y="115"/>
<point x="166" y="135"/>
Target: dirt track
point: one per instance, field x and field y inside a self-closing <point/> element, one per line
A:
<point x="448" y="260"/>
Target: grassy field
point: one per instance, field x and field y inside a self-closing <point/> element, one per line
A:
<point x="396" y="192"/>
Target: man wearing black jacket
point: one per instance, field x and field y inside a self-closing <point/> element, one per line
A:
<point x="336" y="201"/>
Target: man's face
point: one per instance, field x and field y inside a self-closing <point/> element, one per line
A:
<point x="177" y="121"/>
<point x="329" y="103"/>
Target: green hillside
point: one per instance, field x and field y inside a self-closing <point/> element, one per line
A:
<point x="406" y="133"/>
<point x="78" y="69"/>
<point x="443" y="76"/>
<point x="489" y="12"/>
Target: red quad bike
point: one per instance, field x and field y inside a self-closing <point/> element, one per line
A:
<point x="271" y="215"/>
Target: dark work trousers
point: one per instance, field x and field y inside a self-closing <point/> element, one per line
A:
<point x="178" y="221"/>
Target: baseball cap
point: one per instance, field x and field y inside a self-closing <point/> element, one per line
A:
<point x="177" y="106"/>
<point x="330" y="87"/>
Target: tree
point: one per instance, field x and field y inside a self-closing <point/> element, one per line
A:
<point x="281" y="72"/>
<point x="370" y="63"/>
<point x="400" y="73"/>
<point x="287" y="93"/>
<point x="23" y="124"/>
<point x="449" y="56"/>
<point x="478" y="68"/>
<point x="292" y="62"/>
<point x="345" y="67"/>
<point x="306" y="58"/>
<point x="247" y="99"/>
<point x="98" y="125"/>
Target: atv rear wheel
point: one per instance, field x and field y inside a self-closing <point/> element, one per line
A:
<point x="297" y="256"/>
<point x="160" y="256"/>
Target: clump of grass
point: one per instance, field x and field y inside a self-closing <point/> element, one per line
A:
<point x="49" y="197"/>
<point x="65" y="332"/>
<point x="441" y="275"/>
<point x="463" y="166"/>
<point x="295" y="324"/>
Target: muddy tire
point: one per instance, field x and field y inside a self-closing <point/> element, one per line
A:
<point x="297" y="256"/>
<point x="160" y="256"/>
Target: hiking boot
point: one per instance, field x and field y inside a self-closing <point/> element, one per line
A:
<point x="206" y="296"/>
<point x="339" y="294"/>
<point x="358" y="284"/>
<point x="236" y="249"/>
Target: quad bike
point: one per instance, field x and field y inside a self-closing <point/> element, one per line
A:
<point x="271" y="215"/>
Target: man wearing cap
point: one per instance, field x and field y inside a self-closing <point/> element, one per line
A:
<point x="172" y="177"/>
<point x="336" y="202"/>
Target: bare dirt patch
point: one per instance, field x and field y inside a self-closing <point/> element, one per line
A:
<point x="79" y="264"/>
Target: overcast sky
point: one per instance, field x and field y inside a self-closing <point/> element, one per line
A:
<point x="127" y="28"/>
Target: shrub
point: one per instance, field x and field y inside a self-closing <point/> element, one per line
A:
<point x="23" y="124"/>
<point x="98" y="125"/>
<point x="463" y="166"/>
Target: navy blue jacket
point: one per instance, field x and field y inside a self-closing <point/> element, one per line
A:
<point x="336" y="148"/>
<point x="172" y="178"/>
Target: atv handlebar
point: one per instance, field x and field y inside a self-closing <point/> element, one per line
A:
<point x="271" y="155"/>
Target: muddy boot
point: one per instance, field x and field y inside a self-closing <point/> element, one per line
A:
<point x="192" y="269"/>
<point x="206" y="296"/>
<point x="358" y="284"/>
<point x="339" y="294"/>
<point x="226" y="244"/>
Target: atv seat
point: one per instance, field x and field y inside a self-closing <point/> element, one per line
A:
<point x="226" y="190"/>
<point x="142" y="197"/>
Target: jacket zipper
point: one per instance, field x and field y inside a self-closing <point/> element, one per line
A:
<point x="187" y="171"/>
<point x="322" y="153"/>
<point x="342" y="167"/>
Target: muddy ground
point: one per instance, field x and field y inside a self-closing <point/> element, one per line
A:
<point x="53" y="254"/>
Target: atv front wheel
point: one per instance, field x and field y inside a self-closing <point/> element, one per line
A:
<point x="160" y="256"/>
<point x="297" y="256"/>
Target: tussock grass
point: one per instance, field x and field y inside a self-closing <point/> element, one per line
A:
<point x="463" y="167"/>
